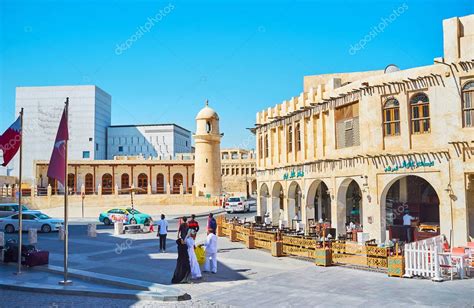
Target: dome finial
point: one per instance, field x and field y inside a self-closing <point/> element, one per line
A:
<point x="207" y="102"/>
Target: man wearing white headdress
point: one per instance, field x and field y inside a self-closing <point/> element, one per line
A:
<point x="195" y="270"/>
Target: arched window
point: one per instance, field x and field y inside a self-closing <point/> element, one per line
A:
<point x="107" y="184"/>
<point x="266" y="145"/>
<point x="89" y="183"/>
<point x="391" y="117"/>
<point x="468" y="104"/>
<point x="177" y="181"/>
<point x="260" y="146"/>
<point x="160" y="183"/>
<point x="290" y="138"/>
<point x="208" y="127"/>
<point x="71" y="182"/>
<point x="125" y="181"/>
<point x="420" y="113"/>
<point x="298" y="137"/>
<point x="143" y="181"/>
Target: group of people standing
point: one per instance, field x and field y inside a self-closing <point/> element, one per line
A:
<point x="187" y="265"/>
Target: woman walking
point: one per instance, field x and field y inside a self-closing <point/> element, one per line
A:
<point x="182" y="273"/>
<point x="195" y="270"/>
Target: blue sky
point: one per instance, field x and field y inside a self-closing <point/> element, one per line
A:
<point x="243" y="56"/>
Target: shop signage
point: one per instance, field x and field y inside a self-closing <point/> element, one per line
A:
<point x="409" y="165"/>
<point x="293" y="174"/>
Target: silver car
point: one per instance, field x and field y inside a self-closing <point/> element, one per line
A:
<point x="31" y="220"/>
<point x="8" y="209"/>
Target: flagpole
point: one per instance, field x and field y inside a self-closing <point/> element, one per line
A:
<point x="20" y="209"/>
<point x="66" y="231"/>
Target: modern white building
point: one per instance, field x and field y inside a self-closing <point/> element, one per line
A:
<point x="89" y="117"/>
<point x="153" y="140"/>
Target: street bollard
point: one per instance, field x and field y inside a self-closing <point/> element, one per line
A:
<point x="92" y="230"/>
<point x="61" y="233"/>
<point x="118" y="228"/>
<point x="32" y="236"/>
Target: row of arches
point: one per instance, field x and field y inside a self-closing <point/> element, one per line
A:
<point x="107" y="183"/>
<point x="406" y="194"/>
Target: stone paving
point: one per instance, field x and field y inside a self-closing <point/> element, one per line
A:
<point x="245" y="278"/>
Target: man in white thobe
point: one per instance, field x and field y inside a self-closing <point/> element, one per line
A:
<point x="211" y="252"/>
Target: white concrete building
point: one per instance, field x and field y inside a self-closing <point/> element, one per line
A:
<point x="153" y="140"/>
<point x="89" y="117"/>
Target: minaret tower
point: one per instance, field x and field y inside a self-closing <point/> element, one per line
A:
<point x="207" y="163"/>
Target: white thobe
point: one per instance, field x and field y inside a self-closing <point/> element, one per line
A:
<point x="211" y="253"/>
<point x="195" y="270"/>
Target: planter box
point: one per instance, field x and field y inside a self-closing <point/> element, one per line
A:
<point x="396" y="266"/>
<point x="323" y="257"/>
<point x="277" y="249"/>
<point x="233" y="235"/>
<point x="250" y="242"/>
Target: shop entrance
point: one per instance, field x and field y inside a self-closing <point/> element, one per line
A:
<point x="416" y="197"/>
<point x="277" y="203"/>
<point x="294" y="203"/>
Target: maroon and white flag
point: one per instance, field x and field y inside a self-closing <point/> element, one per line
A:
<point x="10" y="141"/>
<point x="57" y="164"/>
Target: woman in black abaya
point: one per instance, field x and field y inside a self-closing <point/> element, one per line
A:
<point x="182" y="273"/>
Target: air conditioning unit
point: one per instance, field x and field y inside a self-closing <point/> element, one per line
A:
<point x="348" y="124"/>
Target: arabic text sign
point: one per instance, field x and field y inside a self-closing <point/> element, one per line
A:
<point x="293" y="174"/>
<point x="409" y="165"/>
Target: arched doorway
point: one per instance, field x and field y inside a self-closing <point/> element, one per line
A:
<point x="71" y="183"/>
<point x="415" y="196"/>
<point x="263" y="196"/>
<point x="143" y="182"/>
<point x="89" y="184"/>
<point x="125" y="181"/>
<point x="107" y="188"/>
<point x="278" y="210"/>
<point x="318" y="202"/>
<point x="253" y="186"/>
<point x="177" y="181"/>
<point x="294" y="203"/>
<point x="160" y="183"/>
<point x="349" y="207"/>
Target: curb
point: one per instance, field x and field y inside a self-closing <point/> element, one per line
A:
<point x="124" y="288"/>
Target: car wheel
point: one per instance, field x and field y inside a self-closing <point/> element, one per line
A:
<point x="133" y="221"/>
<point x="9" y="229"/>
<point x="147" y="222"/>
<point x="107" y="221"/>
<point x="46" y="228"/>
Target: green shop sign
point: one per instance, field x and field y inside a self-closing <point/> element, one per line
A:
<point x="293" y="174"/>
<point x="409" y="165"/>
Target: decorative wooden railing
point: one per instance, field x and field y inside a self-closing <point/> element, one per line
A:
<point x="342" y="252"/>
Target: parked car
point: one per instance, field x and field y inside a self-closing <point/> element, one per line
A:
<point x="125" y="215"/>
<point x="8" y="209"/>
<point x="237" y="204"/>
<point x="31" y="220"/>
<point x="252" y="204"/>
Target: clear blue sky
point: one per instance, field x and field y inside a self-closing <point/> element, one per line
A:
<point x="243" y="56"/>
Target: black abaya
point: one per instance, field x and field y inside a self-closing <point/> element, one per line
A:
<point x="182" y="273"/>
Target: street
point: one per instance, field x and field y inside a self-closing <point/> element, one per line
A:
<point x="245" y="278"/>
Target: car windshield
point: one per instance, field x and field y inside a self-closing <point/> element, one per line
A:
<point x="234" y="199"/>
<point x="43" y="216"/>
<point x="133" y="211"/>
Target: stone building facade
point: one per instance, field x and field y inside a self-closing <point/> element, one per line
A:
<point x="238" y="172"/>
<point x="366" y="147"/>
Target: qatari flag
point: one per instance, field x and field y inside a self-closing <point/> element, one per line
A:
<point x="56" y="169"/>
<point x="10" y="141"/>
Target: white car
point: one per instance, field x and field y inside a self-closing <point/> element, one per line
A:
<point x="237" y="204"/>
<point x="31" y="220"/>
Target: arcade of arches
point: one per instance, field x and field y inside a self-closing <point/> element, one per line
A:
<point x="351" y="206"/>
